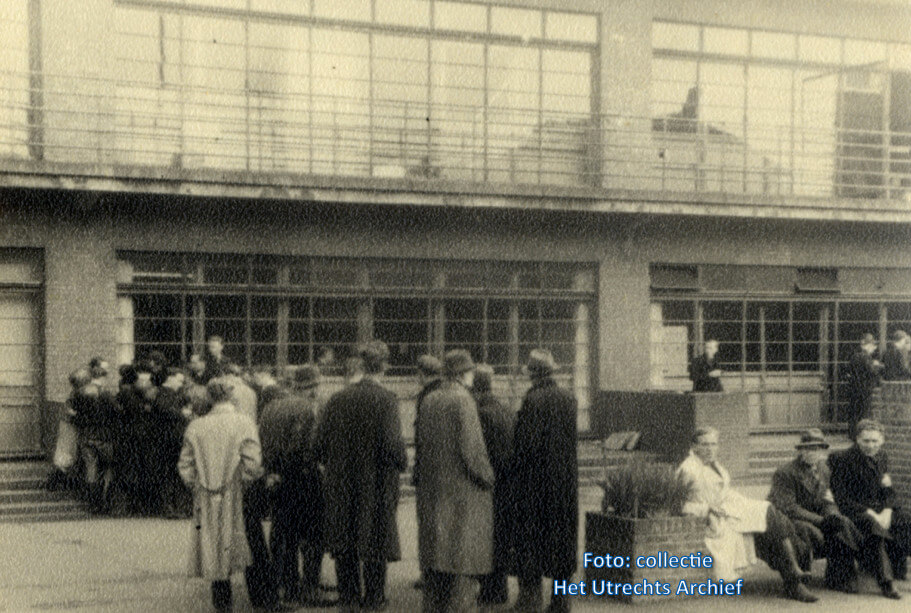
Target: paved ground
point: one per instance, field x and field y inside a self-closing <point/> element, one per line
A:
<point x="132" y="565"/>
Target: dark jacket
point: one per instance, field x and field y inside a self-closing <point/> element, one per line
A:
<point x="857" y="482"/>
<point x="895" y="365"/>
<point x="431" y="386"/>
<point x="862" y="377"/>
<point x="800" y="493"/>
<point x="699" y="374"/>
<point x="359" y="440"/>
<point x="497" y="423"/>
<point x="545" y="482"/>
<point x="266" y="395"/>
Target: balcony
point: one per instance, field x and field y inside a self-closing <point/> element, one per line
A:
<point x="121" y="135"/>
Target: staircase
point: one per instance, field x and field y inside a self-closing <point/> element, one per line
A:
<point x="23" y="496"/>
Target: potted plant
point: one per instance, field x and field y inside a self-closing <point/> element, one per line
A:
<point x="642" y="516"/>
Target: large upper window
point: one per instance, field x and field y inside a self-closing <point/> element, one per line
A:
<point x="453" y="91"/>
<point x="758" y="111"/>
<point x="14" y="79"/>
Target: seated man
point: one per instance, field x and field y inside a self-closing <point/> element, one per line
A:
<point x="735" y="520"/>
<point x="863" y="491"/>
<point x="800" y="490"/>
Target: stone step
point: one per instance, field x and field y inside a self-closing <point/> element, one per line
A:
<point x="10" y="496"/>
<point x="43" y="510"/>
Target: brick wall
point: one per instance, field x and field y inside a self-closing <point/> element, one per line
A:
<point x="892" y="406"/>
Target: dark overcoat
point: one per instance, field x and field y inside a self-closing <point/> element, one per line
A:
<point x="800" y="493"/>
<point x="699" y="374"/>
<point x="546" y="481"/>
<point x="454" y="484"/>
<point x="286" y="428"/>
<point x="359" y="441"/>
<point x="497" y="423"/>
<point x="895" y="365"/>
<point x="858" y="482"/>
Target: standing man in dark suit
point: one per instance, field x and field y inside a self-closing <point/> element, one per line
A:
<point x="359" y="441"/>
<point x="895" y="359"/>
<point x="497" y="423"/>
<point x="863" y="491"/>
<point x="862" y="378"/>
<point x="286" y="432"/>
<point x="545" y="485"/>
<point x="704" y="371"/>
<point x="800" y="490"/>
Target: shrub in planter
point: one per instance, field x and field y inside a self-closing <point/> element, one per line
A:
<point x="641" y="516"/>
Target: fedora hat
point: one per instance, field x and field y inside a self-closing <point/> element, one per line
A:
<point x="812" y="439"/>
<point x="456" y="362"/>
<point x="540" y="363"/>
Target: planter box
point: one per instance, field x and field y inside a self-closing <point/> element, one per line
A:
<point x="623" y="536"/>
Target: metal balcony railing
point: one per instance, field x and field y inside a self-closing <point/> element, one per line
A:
<point x="118" y="124"/>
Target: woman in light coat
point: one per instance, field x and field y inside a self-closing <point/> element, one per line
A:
<point x="221" y="451"/>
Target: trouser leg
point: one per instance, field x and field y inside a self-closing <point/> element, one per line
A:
<point x="312" y="563"/>
<point x="463" y="595"/>
<point x="260" y="574"/>
<point x="348" y="577"/>
<point x="374" y="581"/>
<point x="530" y="596"/>
<point x="221" y="595"/>
<point x="494" y="587"/>
<point x="437" y="587"/>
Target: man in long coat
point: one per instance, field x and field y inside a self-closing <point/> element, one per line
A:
<point x="286" y="430"/>
<point x="221" y="451"/>
<point x="497" y="424"/>
<point x="895" y="358"/>
<point x="545" y="486"/>
<point x="800" y="490"/>
<point x="359" y="441"/>
<point x="454" y="491"/>
<point x="863" y="490"/>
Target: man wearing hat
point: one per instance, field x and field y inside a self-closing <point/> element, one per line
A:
<point x="862" y="378"/>
<point x="359" y="441"/>
<point x="800" y="490"/>
<point x="286" y="428"/>
<point x="545" y="485"/>
<point x="454" y="491"/>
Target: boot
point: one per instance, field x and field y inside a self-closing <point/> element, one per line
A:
<point x="793" y="566"/>
<point x="221" y="595"/>
<point x="559" y="604"/>
<point x="530" y="596"/>
<point x="795" y="590"/>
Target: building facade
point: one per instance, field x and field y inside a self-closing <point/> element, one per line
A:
<point x="618" y="181"/>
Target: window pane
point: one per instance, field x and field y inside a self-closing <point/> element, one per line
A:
<point x="515" y="22"/>
<point x="723" y="322"/>
<point x="566" y="83"/>
<point x="335" y="324"/>
<point x="674" y="93"/>
<point x="725" y="41"/>
<point x="465" y="326"/>
<point x="721" y="97"/>
<point x="415" y="13"/>
<point x="460" y="16"/>
<point x="675" y="36"/>
<point x="820" y="49"/>
<point x="774" y="45"/>
<point x="288" y="7"/>
<point x="403" y="324"/>
<point x="355" y="10"/>
<point x="567" y="26"/>
<point x="861" y="52"/>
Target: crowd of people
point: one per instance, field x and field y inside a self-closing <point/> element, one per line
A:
<point x="496" y="489"/>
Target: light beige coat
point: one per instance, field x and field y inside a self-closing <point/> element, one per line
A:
<point x="730" y="539"/>
<point x="221" y="450"/>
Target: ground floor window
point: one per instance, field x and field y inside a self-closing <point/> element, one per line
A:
<point x="790" y="355"/>
<point x="284" y="311"/>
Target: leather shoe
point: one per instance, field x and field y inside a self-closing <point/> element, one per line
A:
<point x="890" y="592"/>
<point x="800" y="593"/>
